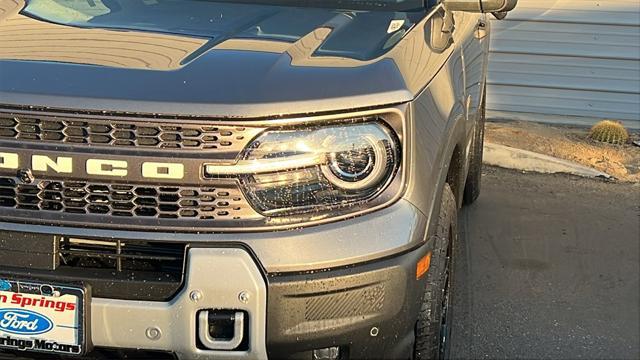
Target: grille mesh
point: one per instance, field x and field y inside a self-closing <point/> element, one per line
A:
<point x="162" y="258"/>
<point x="150" y="202"/>
<point x="156" y="134"/>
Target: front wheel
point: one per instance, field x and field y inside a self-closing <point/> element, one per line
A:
<point x="433" y="328"/>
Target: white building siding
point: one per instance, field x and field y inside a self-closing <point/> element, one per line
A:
<point x="567" y="61"/>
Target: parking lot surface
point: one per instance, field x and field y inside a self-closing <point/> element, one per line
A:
<point x="548" y="267"/>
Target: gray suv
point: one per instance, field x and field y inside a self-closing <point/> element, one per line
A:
<point x="236" y="179"/>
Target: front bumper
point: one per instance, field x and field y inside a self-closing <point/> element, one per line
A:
<point x="350" y="284"/>
<point x="368" y="311"/>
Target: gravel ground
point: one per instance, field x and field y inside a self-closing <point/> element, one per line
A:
<point x="548" y="267"/>
<point x="569" y="143"/>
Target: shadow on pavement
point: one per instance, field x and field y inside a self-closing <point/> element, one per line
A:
<point x="548" y="267"/>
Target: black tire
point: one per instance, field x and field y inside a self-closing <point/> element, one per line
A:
<point x="433" y="328"/>
<point x="474" y="178"/>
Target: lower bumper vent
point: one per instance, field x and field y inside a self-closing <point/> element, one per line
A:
<point x="115" y="269"/>
<point x="122" y="256"/>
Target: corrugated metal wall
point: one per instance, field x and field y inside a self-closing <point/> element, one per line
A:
<point x="567" y="61"/>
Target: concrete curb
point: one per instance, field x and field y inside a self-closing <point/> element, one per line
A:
<point x="512" y="158"/>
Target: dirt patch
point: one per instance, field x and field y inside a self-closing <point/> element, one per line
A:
<point x="620" y="161"/>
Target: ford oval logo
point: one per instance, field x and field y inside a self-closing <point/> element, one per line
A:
<point x="24" y="322"/>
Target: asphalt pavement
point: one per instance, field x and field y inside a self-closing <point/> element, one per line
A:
<point x="548" y="267"/>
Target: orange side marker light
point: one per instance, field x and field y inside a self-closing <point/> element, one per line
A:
<point x="423" y="266"/>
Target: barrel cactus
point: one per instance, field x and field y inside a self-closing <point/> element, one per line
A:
<point x="609" y="131"/>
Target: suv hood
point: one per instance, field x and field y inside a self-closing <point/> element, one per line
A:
<point x="201" y="58"/>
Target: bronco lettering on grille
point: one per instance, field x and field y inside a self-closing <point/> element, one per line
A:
<point x="104" y="167"/>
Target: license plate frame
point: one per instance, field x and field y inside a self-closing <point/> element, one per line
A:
<point x="19" y="296"/>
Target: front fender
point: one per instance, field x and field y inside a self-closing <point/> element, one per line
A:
<point x="438" y="131"/>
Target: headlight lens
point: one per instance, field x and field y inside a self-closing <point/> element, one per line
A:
<point x="320" y="169"/>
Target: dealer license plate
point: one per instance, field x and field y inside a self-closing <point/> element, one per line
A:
<point x="41" y="317"/>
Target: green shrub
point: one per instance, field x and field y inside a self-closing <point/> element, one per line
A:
<point x="609" y="131"/>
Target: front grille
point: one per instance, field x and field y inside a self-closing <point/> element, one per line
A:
<point x="124" y="133"/>
<point x="126" y="201"/>
<point x="136" y="202"/>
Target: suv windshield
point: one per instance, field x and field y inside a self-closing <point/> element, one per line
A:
<point x="61" y="8"/>
<point x="281" y="19"/>
<point x="382" y="5"/>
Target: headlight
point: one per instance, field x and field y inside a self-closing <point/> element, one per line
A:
<point x="316" y="170"/>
